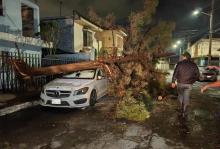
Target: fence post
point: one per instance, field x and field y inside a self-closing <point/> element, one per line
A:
<point x="3" y="70"/>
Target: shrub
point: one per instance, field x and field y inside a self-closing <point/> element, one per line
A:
<point x="131" y="108"/>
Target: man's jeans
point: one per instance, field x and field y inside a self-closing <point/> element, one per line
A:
<point x="184" y="91"/>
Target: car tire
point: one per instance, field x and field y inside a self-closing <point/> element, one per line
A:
<point x="201" y="79"/>
<point x="93" y="98"/>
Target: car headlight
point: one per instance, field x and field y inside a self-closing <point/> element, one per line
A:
<point x="81" y="91"/>
<point x="43" y="90"/>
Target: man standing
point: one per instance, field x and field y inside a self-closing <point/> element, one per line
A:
<point x="186" y="73"/>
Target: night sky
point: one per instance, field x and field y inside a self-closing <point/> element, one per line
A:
<point x="172" y="10"/>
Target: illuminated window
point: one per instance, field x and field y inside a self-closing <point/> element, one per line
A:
<point x="1" y="8"/>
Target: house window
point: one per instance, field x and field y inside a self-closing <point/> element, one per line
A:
<point x="119" y="42"/>
<point x="27" y="21"/>
<point x="1" y="8"/>
<point x="87" y="38"/>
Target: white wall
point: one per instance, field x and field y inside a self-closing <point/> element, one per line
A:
<point x="96" y="43"/>
<point x="78" y="37"/>
<point x="108" y="40"/>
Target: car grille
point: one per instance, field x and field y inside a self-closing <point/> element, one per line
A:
<point x="63" y="103"/>
<point x="58" y="93"/>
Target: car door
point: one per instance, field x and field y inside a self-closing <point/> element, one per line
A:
<point x="105" y="82"/>
<point x="101" y="83"/>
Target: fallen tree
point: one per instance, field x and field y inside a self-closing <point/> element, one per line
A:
<point x="139" y="82"/>
<point x="109" y="65"/>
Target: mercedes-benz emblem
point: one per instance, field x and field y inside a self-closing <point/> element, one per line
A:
<point x="57" y="93"/>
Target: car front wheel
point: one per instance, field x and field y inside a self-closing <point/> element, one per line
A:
<point x="214" y="80"/>
<point x="201" y="79"/>
<point x="93" y="98"/>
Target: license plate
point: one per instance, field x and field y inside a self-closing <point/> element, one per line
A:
<point x="56" y="101"/>
<point x="209" y="76"/>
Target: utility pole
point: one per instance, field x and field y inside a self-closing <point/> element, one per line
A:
<point x="211" y="31"/>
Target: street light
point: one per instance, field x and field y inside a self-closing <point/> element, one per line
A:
<point x="211" y="14"/>
<point x="196" y="12"/>
<point x="176" y="45"/>
<point x="178" y="42"/>
<point x="199" y="11"/>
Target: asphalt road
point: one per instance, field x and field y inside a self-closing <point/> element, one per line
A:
<point x="92" y="128"/>
<point x="39" y="128"/>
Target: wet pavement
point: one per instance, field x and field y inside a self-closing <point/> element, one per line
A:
<point x="93" y="128"/>
<point x="12" y="99"/>
<point x="200" y="129"/>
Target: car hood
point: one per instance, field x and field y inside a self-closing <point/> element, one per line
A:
<point x="72" y="83"/>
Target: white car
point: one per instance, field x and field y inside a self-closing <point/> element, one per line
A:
<point x="75" y="90"/>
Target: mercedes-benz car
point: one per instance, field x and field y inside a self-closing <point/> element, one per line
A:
<point x="207" y="74"/>
<point x="75" y="90"/>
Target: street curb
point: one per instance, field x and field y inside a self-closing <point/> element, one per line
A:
<point x="15" y="108"/>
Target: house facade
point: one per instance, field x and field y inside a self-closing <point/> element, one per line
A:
<point x="113" y="39"/>
<point x="19" y="23"/>
<point x="200" y="50"/>
<point x="77" y="35"/>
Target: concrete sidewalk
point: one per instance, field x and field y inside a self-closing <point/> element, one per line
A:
<point x="13" y="102"/>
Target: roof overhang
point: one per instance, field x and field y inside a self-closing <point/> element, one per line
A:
<point x="123" y="33"/>
<point x="88" y="24"/>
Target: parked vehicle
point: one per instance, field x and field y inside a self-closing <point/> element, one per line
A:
<point x="207" y="74"/>
<point x="75" y="90"/>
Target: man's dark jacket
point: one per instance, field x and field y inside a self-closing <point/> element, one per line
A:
<point x="186" y="72"/>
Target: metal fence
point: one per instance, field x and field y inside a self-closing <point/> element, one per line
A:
<point x="8" y="79"/>
<point x="10" y="82"/>
<point x="52" y="61"/>
<point x="64" y="59"/>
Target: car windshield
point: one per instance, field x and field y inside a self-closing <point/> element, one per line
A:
<point x="206" y="69"/>
<point x="83" y="74"/>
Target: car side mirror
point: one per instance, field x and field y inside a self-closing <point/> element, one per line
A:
<point x="99" y="77"/>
